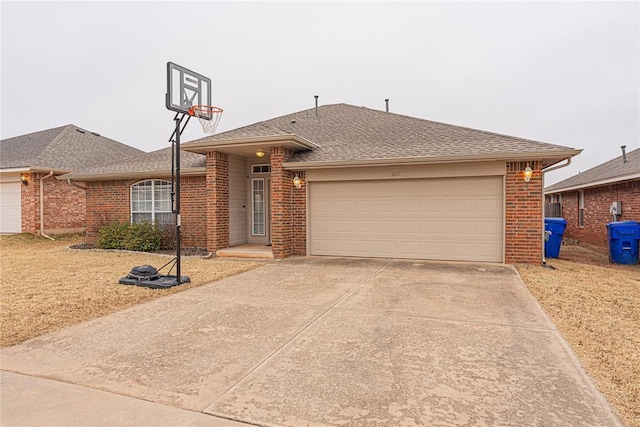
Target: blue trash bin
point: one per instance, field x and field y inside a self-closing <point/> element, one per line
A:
<point x="554" y="229"/>
<point x="624" y="239"/>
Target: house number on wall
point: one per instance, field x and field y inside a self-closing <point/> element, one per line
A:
<point x="395" y="173"/>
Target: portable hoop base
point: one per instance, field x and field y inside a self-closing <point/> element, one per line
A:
<point x="208" y="116"/>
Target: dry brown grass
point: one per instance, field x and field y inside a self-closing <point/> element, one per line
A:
<point x="596" y="307"/>
<point x="44" y="286"/>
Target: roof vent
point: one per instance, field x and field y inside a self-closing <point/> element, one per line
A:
<point x="96" y="134"/>
<point x="624" y="154"/>
<point x="79" y="130"/>
<point x="386" y="101"/>
<point x="316" y="97"/>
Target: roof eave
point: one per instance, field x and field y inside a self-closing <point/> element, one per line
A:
<point x="548" y="157"/>
<point x="593" y="184"/>
<point x="293" y="141"/>
<point x="34" y="169"/>
<point x="131" y="175"/>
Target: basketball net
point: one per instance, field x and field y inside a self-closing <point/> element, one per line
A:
<point x="208" y="116"/>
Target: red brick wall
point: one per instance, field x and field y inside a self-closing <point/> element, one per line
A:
<point x="523" y="214"/>
<point x="596" y="210"/>
<point x="109" y="201"/>
<point x="64" y="206"/>
<point x="281" y="204"/>
<point x="217" y="201"/>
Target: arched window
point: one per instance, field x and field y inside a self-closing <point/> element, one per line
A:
<point x="151" y="201"/>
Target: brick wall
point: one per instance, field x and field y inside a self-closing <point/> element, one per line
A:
<point x="523" y="214"/>
<point x="281" y="204"/>
<point x="217" y="201"/>
<point x="596" y="210"/>
<point x="64" y="206"/>
<point x="109" y="201"/>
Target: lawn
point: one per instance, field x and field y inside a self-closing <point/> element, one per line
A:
<point x="596" y="307"/>
<point x="45" y="286"/>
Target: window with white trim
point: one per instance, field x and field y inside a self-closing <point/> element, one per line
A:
<point x="581" y="208"/>
<point x="151" y="202"/>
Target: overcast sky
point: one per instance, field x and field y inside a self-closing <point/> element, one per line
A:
<point x="559" y="72"/>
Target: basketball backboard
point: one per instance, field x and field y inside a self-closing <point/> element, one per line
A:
<point x="186" y="88"/>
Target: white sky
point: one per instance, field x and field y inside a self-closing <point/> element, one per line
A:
<point x="561" y="72"/>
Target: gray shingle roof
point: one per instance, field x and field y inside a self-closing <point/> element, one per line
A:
<point x="150" y="164"/>
<point x="65" y="148"/>
<point x="347" y="132"/>
<point x="613" y="170"/>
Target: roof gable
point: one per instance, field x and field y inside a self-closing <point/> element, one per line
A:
<point x="611" y="171"/>
<point x="65" y="148"/>
<point x="349" y="133"/>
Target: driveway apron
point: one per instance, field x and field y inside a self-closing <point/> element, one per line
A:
<point x="333" y="341"/>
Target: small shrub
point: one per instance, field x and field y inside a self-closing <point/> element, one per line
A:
<point x="142" y="236"/>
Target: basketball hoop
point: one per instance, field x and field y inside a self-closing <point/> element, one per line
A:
<point x="208" y="116"/>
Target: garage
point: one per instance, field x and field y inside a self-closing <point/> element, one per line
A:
<point x="10" y="206"/>
<point x="453" y="218"/>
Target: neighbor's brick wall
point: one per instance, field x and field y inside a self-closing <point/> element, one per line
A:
<point x="109" y="201"/>
<point x="64" y="206"/>
<point x="596" y="210"/>
<point x="299" y="207"/>
<point x="217" y="201"/>
<point x="523" y="214"/>
<point x="282" y="225"/>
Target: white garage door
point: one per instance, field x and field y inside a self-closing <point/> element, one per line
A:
<point x="10" y="212"/>
<point x="436" y="218"/>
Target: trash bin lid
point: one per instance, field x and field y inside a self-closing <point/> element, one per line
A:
<point x="556" y="220"/>
<point x="624" y="227"/>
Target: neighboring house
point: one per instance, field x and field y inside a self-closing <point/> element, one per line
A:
<point x="32" y="200"/>
<point x="586" y="198"/>
<point x="345" y="181"/>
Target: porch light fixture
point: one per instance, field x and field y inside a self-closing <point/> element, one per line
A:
<point x="24" y="177"/>
<point x="260" y="153"/>
<point x="528" y="172"/>
<point x="297" y="181"/>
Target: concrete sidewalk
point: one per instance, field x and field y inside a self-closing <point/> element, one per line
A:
<point x="314" y="341"/>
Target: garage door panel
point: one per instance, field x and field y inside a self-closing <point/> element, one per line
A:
<point x="440" y="218"/>
<point x="11" y="207"/>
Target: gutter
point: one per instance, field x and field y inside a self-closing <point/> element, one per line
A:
<point x="132" y="175"/>
<point x="76" y="185"/>
<point x="544" y="258"/>
<point x="595" y="184"/>
<point x="42" y="205"/>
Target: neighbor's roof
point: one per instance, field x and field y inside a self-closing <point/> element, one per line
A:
<point x="148" y="165"/>
<point x="614" y="170"/>
<point x="61" y="149"/>
<point x="346" y="133"/>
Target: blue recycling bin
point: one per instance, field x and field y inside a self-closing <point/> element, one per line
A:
<point x="624" y="239"/>
<point x="553" y="231"/>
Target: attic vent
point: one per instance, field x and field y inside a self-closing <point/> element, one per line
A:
<point x="96" y="134"/>
<point x="79" y="130"/>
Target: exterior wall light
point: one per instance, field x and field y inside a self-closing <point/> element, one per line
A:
<point x="528" y="172"/>
<point x="260" y="153"/>
<point x="297" y="181"/>
<point x="24" y="177"/>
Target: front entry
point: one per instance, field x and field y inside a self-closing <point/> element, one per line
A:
<point x="260" y="218"/>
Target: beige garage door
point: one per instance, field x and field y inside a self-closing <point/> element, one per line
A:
<point x="438" y="218"/>
<point x="10" y="209"/>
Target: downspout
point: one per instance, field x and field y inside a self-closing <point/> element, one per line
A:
<point x="544" y="259"/>
<point x="42" y="205"/>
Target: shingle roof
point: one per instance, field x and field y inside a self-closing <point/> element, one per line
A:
<point x="65" y="148"/>
<point x="347" y="132"/>
<point x="611" y="171"/>
<point x="150" y="164"/>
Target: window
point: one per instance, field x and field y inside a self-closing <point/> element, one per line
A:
<point x="151" y="201"/>
<point x="258" y="207"/>
<point x="260" y="168"/>
<point x="581" y="208"/>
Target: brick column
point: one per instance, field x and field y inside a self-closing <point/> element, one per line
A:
<point x="523" y="214"/>
<point x="281" y="204"/>
<point x="300" y="215"/>
<point x="30" y="206"/>
<point x="217" y="201"/>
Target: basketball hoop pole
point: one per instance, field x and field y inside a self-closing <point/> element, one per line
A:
<point x="175" y="156"/>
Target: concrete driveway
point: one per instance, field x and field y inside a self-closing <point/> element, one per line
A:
<point x="313" y="341"/>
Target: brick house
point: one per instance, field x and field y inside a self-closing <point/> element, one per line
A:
<point x="586" y="198"/>
<point x="345" y="181"/>
<point x="32" y="200"/>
